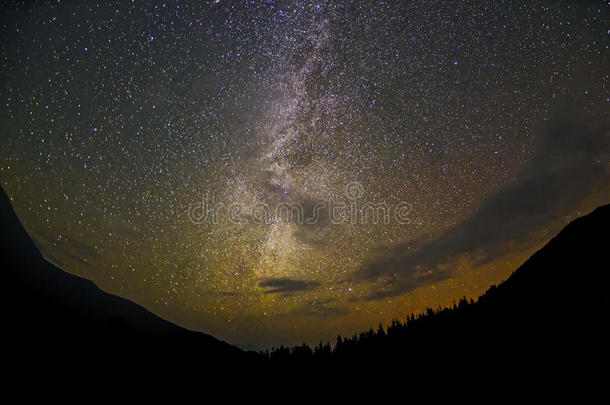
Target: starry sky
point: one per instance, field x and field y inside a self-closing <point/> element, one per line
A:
<point x="141" y="140"/>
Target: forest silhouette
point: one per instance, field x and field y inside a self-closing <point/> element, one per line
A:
<point x="542" y="332"/>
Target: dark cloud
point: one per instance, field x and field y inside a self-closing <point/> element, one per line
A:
<point x="571" y="159"/>
<point x="287" y="286"/>
<point x="310" y="215"/>
<point x="313" y="230"/>
<point x="65" y="249"/>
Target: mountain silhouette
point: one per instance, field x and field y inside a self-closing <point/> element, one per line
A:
<point x="50" y="315"/>
<point x="543" y="333"/>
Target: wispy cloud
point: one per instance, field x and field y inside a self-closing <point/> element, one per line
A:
<point x="571" y="159"/>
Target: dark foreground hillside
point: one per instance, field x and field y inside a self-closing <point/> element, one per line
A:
<point x="542" y="333"/>
<point x="51" y="316"/>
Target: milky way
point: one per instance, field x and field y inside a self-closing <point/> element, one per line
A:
<point x="149" y="146"/>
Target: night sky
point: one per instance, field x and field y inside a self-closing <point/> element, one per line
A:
<point x="484" y="124"/>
